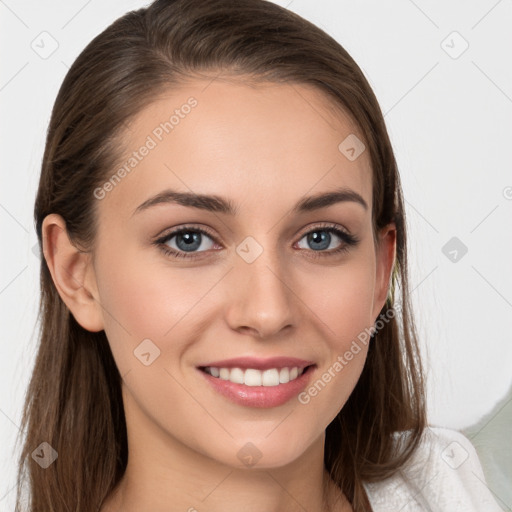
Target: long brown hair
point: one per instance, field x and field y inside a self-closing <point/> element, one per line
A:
<point x="74" y="400"/>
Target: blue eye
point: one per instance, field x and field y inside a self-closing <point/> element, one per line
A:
<point x="321" y="239"/>
<point x="188" y="240"/>
<point x="192" y="240"/>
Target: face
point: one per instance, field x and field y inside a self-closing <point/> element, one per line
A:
<point x="257" y="278"/>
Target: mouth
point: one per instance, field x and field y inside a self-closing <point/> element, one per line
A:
<point x="256" y="382"/>
<point x="253" y="377"/>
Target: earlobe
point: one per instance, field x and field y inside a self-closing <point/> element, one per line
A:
<point x="72" y="274"/>
<point x="386" y="256"/>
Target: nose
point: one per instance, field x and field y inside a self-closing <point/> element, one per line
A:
<point x="262" y="299"/>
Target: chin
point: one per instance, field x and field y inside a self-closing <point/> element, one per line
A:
<point x="262" y="453"/>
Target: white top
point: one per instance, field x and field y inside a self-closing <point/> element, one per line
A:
<point x="443" y="475"/>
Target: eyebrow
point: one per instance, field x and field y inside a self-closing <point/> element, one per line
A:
<point x="218" y="204"/>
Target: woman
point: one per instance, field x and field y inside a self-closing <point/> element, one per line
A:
<point x="225" y="308"/>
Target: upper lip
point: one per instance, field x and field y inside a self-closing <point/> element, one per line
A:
<point x="259" y="363"/>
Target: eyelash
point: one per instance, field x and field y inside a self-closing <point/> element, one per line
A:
<point x="348" y="241"/>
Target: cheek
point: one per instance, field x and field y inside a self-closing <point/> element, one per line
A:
<point x="342" y="298"/>
<point x="143" y="300"/>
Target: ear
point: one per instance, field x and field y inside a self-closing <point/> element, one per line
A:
<point x="72" y="273"/>
<point x="385" y="254"/>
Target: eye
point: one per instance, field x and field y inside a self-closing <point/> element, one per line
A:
<point x="188" y="241"/>
<point x="185" y="242"/>
<point x="321" y="238"/>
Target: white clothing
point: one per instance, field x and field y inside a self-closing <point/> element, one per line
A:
<point x="443" y="475"/>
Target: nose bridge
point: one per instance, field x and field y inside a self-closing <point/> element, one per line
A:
<point x="262" y="297"/>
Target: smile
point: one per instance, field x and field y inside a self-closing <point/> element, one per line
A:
<point x="253" y="382"/>
<point x="254" y="377"/>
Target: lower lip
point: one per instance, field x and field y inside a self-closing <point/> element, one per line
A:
<point x="259" y="396"/>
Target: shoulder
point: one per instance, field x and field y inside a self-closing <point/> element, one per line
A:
<point x="444" y="474"/>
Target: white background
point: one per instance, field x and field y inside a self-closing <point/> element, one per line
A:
<point x="450" y="122"/>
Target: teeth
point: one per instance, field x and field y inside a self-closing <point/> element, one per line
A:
<point x="270" y="377"/>
<point x="236" y="375"/>
<point x="252" y="377"/>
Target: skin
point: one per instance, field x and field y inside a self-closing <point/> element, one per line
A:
<point x="264" y="148"/>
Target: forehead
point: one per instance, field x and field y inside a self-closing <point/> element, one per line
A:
<point x="261" y="142"/>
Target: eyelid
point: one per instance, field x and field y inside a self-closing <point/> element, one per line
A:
<point x="322" y="225"/>
<point x="203" y="229"/>
<point x="168" y="234"/>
